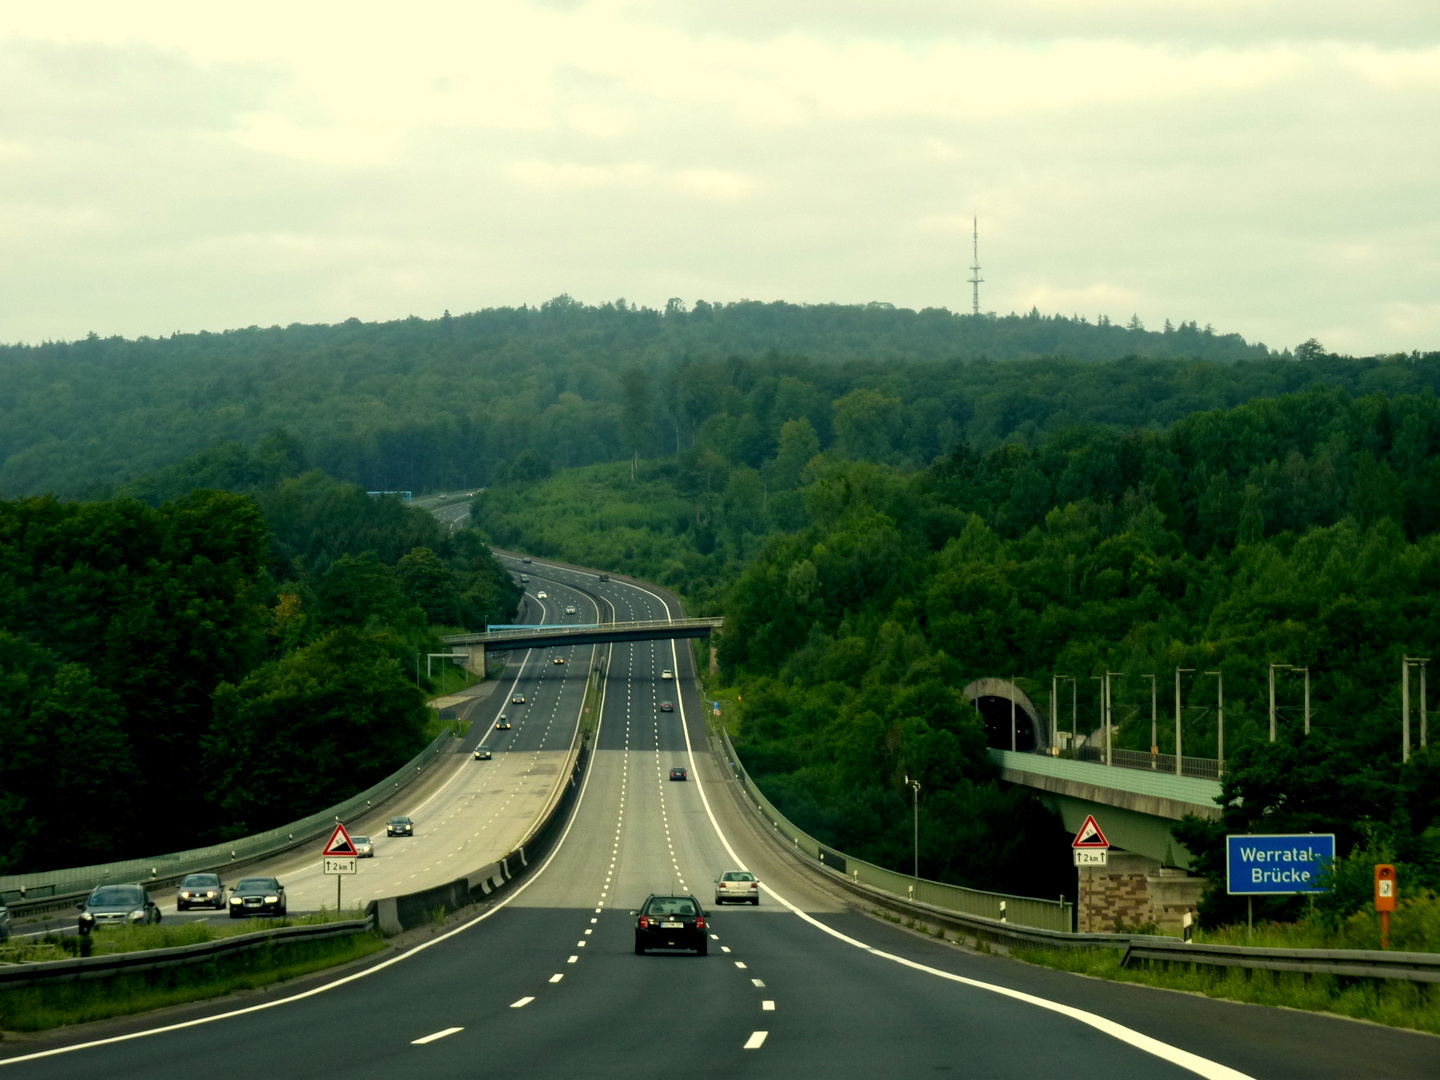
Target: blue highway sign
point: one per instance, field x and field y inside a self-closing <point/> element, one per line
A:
<point x="1277" y="865"/>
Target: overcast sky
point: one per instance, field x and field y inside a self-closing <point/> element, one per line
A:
<point x="1268" y="166"/>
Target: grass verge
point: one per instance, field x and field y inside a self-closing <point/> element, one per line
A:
<point x="39" y="1008"/>
<point x="1391" y="1002"/>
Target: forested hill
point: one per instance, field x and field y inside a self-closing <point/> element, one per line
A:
<point x="419" y="404"/>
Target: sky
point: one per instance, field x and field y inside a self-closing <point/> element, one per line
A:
<point x="1270" y="167"/>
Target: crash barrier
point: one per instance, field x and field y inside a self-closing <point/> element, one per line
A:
<point x="1348" y="963"/>
<point x="1000" y="907"/>
<point x="95" y="967"/>
<point x="396" y="914"/>
<point x="29" y="893"/>
<point x="1139" y="948"/>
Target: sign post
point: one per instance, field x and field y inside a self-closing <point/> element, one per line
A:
<point x="340" y="858"/>
<point x="1279" y="865"/>
<point x="1387" y="891"/>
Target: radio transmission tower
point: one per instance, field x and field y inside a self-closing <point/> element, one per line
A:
<point x="975" y="278"/>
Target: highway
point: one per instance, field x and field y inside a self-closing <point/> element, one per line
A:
<point x="546" y="983"/>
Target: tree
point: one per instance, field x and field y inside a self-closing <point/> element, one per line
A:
<point x="431" y="587"/>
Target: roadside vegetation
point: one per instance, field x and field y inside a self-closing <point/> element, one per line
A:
<point x="249" y="657"/>
<point x="1392" y="1002"/>
<point x="51" y="1005"/>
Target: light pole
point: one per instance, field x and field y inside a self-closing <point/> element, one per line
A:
<point x="1154" y="721"/>
<point x="1219" y="718"/>
<point x="1178" y="750"/>
<point x="915" y="786"/>
<point x="1100" y="692"/>
<point x="1406" y="663"/>
<point x="1055" y="681"/>
<point x="1109" y="716"/>
<point x="1306" y="670"/>
<point x="1013" y="688"/>
<point x="1272" y="698"/>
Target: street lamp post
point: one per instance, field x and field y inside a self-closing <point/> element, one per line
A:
<point x="1219" y="718"/>
<point x="1178" y="749"/>
<point x="1154" y="722"/>
<point x="1013" y="688"/>
<point x="1272" y="698"/>
<point x="1306" y="671"/>
<point x="1100" y="692"/>
<point x="915" y="786"/>
<point x="1109" y="717"/>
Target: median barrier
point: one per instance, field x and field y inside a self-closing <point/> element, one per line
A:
<point x="396" y="914"/>
<point x="60" y="889"/>
<point x="95" y="967"/>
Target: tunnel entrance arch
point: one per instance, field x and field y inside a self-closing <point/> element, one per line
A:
<point x="991" y="698"/>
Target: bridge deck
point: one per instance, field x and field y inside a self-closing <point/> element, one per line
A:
<point x="643" y="630"/>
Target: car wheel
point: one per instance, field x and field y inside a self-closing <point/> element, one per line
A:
<point x="234" y="914"/>
<point x="703" y="949"/>
<point x="157" y="916"/>
<point x="283" y="909"/>
<point x="639" y="948"/>
<point x="756" y="901"/>
<point x="182" y="907"/>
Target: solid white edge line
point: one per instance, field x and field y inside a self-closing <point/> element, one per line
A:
<point x="314" y="991"/>
<point x="436" y="1035"/>
<point x="1211" y="1070"/>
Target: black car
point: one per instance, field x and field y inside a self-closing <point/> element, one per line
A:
<point x="200" y="890"/>
<point x="257" y="896"/>
<point x="679" y="774"/>
<point x="400" y="826"/>
<point x="666" y="706"/>
<point x="604" y="577"/>
<point x="117" y="905"/>
<point x="518" y="699"/>
<point x="502" y="724"/>
<point x="670" y="922"/>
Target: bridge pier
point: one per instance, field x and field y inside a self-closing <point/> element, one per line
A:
<point x="475" y="662"/>
<point x="1132" y="890"/>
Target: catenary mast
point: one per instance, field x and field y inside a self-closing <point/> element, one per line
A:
<point x="975" y="278"/>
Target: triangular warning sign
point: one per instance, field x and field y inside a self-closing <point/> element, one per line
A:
<point x="1090" y="835"/>
<point x="339" y="842"/>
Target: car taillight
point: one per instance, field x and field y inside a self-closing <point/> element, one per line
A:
<point x="754" y="885"/>
<point x="644" y="922"/>
<point x="700" y="923"/>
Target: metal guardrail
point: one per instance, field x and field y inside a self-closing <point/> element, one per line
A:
<point x="1203" y="768"/>
<point x="1025" y="910"/>
<point x="95" y="967"/>
<point x="1351" y="963"/>
<point x="21" y="888"/>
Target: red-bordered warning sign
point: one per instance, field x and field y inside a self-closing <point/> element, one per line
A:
<point x="1090" y="837"/>
<point x="341" y="844"/>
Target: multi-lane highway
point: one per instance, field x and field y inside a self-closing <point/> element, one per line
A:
<point x="546" y="983"/>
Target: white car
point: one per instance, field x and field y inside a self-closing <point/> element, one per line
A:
<point x="667" y="674"/>
<point x="542" y="595"/>
<point x="570" y="609"/>
<point x="738" y="885"/>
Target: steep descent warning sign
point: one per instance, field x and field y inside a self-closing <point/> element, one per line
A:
<point x="340" y="843"/>
<point x="1090" y="836"/>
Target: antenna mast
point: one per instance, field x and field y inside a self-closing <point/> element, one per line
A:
<point x="975" y="278"/>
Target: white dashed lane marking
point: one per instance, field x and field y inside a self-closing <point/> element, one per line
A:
<point x="437" y="1035"/>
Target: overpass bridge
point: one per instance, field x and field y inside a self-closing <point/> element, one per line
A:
<point x="560" y="634"/>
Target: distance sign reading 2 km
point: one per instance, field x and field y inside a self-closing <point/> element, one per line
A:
<point x="1277" y="865"/>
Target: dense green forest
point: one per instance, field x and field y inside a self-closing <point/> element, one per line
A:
<point x="859" y="597"/>
<point x="459" y="401"/>
<point x="217" y="664"/>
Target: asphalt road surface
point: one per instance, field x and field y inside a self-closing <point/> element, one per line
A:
<point x="547" y="984"/>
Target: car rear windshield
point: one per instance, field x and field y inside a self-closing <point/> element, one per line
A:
<point x="117" y="894"/>
<point x="671" y="905"/>
<point x="739" y="875"/>
<point x="200" y="881"/>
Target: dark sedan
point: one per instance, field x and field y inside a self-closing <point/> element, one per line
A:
<point x="679" y="774"/>
<point x="400" y="826"/>
<point x="117" y="905"/>
<point x="257" y="896"/>
<point x="666" y="706"/>
<point x="200" y="890"/>
<point x="671" y="922"/>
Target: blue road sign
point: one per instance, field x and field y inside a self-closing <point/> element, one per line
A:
<point x="1276" y="865"/>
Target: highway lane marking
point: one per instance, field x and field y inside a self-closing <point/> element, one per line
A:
<point x="358" y="975"/>
<point x="756" y="1040"/>
<point x="1211" y="1070"/>
<point x="760" y="983"/>
<point x="723" y="948"/>
<point x="556" y="977"/>
<point x="436" y="1035"/>
<point x="521" y="1003"/>
<point x="740" y="964"/>
<point x="767" y="1006"/>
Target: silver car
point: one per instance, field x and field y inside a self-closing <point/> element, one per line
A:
<point x="200" y="890"/>
<point x="117" y="905"/>
<point x="364" y="847"/>
<point x="738" y="885"/>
